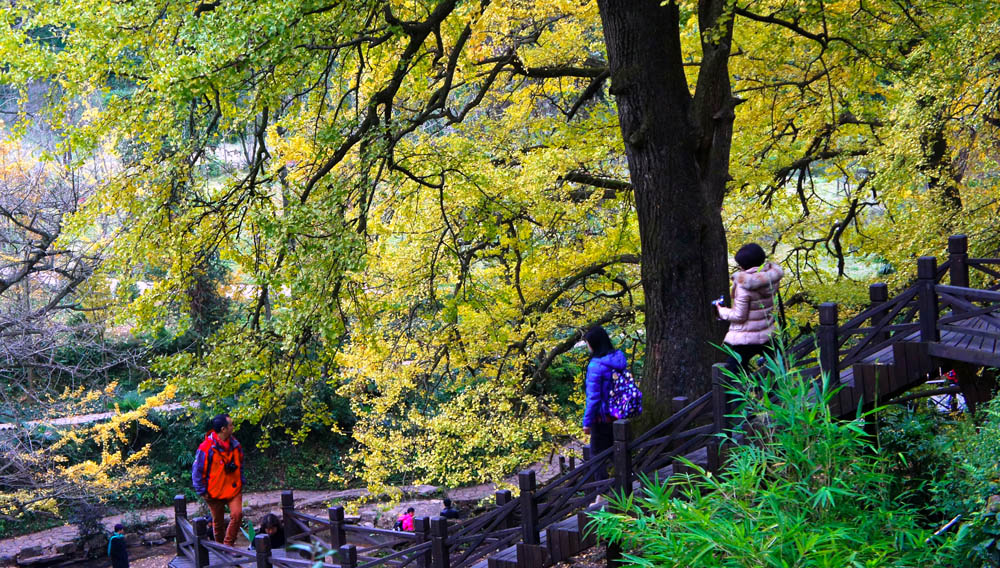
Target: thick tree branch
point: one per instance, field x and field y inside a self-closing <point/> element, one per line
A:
<point x="592" y="90"/>
<point x="568" y="283"/>
<point x="559" y="71"/>
<point x="613" y="188"/>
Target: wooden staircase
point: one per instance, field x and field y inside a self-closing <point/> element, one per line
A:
<point x="869" y="383"/>
<point x="559" y="542"/>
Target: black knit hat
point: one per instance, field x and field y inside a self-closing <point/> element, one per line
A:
<point x="750" y="255"/>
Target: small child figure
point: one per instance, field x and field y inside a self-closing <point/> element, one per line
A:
<point x="118" y="548"/>
<point x="405" y="521"/>
<point x="271" y="526"/>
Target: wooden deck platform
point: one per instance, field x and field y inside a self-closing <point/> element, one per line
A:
<point x="973" y="341"/>
<point x="908" y="362"/>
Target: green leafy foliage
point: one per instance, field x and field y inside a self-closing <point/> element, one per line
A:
<point x="803" y="490"/>
<point x="948" y="465"/>
<point x="973" y="473"/>
<point x="983" y="534"/>
<point x="276" y="465"/>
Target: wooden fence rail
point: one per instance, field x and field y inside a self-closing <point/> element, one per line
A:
<point x="514" y="520"/>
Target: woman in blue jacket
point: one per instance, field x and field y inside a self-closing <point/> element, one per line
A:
<point x="604" y="360"/>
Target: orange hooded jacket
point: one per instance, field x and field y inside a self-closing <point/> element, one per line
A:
<point x="209" y="473"/>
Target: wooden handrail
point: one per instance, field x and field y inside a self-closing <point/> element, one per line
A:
<point x="677" y="416"/>
<point x="974" y="293"/>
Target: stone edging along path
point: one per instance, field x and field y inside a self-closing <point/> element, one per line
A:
<point x="95" y="417"/>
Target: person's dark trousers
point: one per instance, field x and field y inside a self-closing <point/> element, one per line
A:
<point x="601" y="438"/>
<point x="746" y="353"/>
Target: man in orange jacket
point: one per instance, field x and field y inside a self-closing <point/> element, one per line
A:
<point x="218" y="477"/>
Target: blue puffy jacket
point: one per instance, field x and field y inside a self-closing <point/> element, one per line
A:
<point x="599" y="382"/>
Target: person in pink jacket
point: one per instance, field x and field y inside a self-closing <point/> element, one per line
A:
<point x="751" y="323"/>
<point x="405" y="521"/>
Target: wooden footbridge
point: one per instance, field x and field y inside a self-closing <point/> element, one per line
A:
<point x="876" y="357"/>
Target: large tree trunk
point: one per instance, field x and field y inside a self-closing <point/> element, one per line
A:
<point x="678" y="153"/>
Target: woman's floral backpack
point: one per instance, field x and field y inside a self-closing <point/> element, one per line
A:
<point x="625" y="398"/>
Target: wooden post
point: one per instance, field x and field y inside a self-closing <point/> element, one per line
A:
<point x="200" y="552"/>
<point x="503" y="497"/>
<point x="719" y="410"/>
<point x="439" y="543"/>
<point x="556" y="552"/>
<point x="287" y="509"/>
<point x="678" y="403"/>
<point x="572" y="462"/>
<point x="529" y="508"/>
<point x="562" y="465"/>
<point x="878" y="294"/>
<point x="348" y="556"/>
<point x="623" y="478"/>
<point x="829" y="344"/>
<point x="338" y="535"/>
<point x="928" y="303"/>
<point x="958" y="254"/>
<point x="180" y="512"/>
<point x="262" y="547"/>
<point x="422" y="528"/>
<point x="622" y="457"/>
<point x="587" y="536"/>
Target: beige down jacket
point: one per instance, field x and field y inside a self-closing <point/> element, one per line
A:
<point x="750" y="319"/>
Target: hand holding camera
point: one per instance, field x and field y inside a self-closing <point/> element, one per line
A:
<point x="718" y="302"/>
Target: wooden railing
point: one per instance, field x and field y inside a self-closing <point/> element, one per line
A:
<point x="436" y="544"/>
<point x="918" y="313"/>
<point x="195" y="545"/>
<point x="910" y="315"/>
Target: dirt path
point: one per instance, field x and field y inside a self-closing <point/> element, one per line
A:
<point x="263" y="500"/>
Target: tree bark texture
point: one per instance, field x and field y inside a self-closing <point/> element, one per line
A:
<point x="677" y="144"/>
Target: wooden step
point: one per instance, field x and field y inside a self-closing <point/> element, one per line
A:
<point x="565" y="538"/>
<point x="559" y="541"/>
<point x="529" y="555"/>
<point x="506" y="558"/>
<point x="563" y="543"/>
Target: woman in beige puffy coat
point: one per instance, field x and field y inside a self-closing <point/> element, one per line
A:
<point x="751" y="323"/>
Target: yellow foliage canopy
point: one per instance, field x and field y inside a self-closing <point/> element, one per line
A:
<point x="423" y="203"/>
